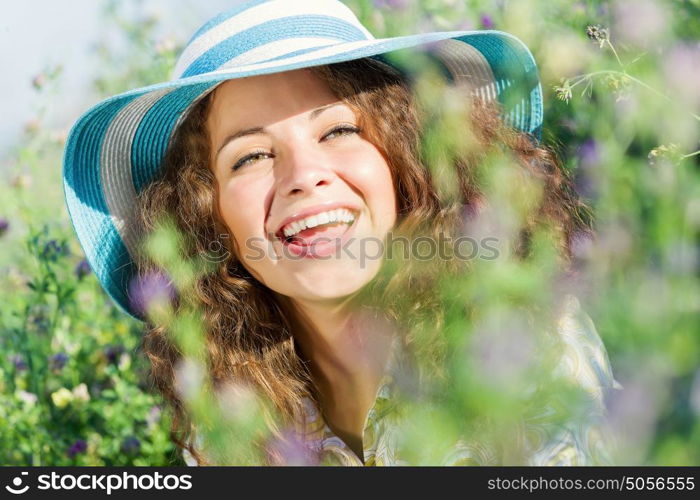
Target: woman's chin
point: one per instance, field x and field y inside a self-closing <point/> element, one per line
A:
<point x="325" y="286"/>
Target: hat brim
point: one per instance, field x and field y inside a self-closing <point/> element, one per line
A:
<point x="115" y="149"/>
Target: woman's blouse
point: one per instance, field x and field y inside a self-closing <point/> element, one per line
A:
<point x="581" y="441"/>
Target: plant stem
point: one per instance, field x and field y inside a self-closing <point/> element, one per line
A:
<point x="615" y="52"/>
<point x="582" y="78"/>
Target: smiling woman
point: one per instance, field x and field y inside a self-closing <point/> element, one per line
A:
<point x="298" y="153"/>
<point x="288" y="152"/>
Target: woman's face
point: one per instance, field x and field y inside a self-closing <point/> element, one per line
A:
<point x="289" y="158"/>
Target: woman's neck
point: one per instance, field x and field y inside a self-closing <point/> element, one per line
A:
<point x="339" y="337"/>
<point x="347" y="349"/>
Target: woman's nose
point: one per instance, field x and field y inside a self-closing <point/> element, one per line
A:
<point x="302" y="170"/>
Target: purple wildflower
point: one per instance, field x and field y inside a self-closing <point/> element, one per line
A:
<point x="80" y="446"/>
<point x="131" y="446"/>
<point x="290" y="450"/>
<point x="504" y="350"/>
<point x="113" y="353"/>
<point x="633" y="412"/>
<point x="471" y="209"/>
<point x="4" y="225"/>
<point x="589" y="159"/>
<point x="53" y="249"/>
<point x="487" y="22"/>
<point x="39" y="318"/>
<point x="58" y="361"/>
<point x="470" y="213"/>
<point x="589" y="153"/>
<point x="152" y="288"/>
<point x="153" y="416"/>
<point x="19" y="363"/>
<point x="581" y="243"/>
<point x="82" y="269"/>
<point x="683" y="74"/>
<point x="640" y="22"/>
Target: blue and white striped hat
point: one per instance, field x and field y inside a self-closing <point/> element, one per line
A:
<point x="114" y="150"/>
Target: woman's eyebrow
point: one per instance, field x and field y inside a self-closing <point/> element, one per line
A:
<point x="316" y="112"/>
<point x="238" y="135"/>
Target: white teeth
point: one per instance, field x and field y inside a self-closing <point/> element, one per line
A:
<point x="338" y="215"/>
<point x="296" y="227"/>
<point x="312" y="221"/>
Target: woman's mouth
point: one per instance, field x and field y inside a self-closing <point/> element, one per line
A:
<point x="319" y="241"/>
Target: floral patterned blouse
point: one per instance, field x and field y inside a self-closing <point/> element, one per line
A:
<point x="583" y="442"/>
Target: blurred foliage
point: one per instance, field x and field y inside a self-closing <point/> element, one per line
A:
<point x="621" y="110"/>
<point x="73" y="388"/>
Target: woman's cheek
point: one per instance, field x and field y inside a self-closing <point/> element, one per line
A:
<point x="371" y="174"/>
<point x="241" y="214"/>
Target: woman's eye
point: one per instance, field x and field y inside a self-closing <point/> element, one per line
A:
<point x="251" y="158"/>
<point x="341" y="131"/>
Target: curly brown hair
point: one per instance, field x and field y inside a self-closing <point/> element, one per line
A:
<point x="249" y="331"/>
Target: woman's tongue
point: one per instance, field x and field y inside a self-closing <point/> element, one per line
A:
<point x="320" y="233"/>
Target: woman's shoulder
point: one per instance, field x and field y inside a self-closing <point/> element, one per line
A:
<point x="584" y="357"/>
<point x="584" y="361"/>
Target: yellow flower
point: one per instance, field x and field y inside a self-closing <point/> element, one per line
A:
<point x="62" y="397"/>
<point x="81" y="393"/>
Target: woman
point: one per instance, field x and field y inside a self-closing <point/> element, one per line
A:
<point x="290" y="135"/>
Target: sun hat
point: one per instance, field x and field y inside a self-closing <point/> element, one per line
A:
<point x="115" y="149"/>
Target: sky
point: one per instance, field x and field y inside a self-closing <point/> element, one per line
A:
<point x="39" y="34"/>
